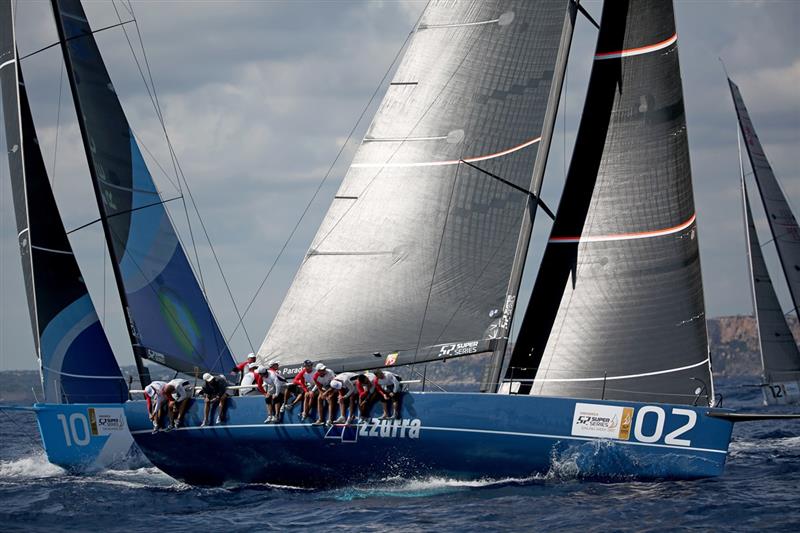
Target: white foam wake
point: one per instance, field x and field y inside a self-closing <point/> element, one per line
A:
<point x="31" y="467"/>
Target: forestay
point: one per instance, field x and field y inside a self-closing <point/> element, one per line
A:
<point x="617" y="309"/>
<point x="782" y="222"/>
<point x="414" y="255"/>
<point x="76" y="361"/>
<point x="169" y="319"/>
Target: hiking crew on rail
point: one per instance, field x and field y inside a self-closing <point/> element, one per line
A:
<point x="315" y="386"/>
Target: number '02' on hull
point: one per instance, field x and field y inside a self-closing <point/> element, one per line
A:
<point x="458" y="435"/>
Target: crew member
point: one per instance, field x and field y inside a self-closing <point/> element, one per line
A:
<point x="179" y="392"/>
<point x="251" y="382"/>
<point x="156" y="402"/>
<point x="301" y="386"/>
<point x="344" y="383"/>
<point x="389" y="390"/>
<point x="215" y="391"/>
<point x="367" y="393"/>
<point x="276" y="389"/>
<point x="322" y="380"/>
<point x="244" y="367"/>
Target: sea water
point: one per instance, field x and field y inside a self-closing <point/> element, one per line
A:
<point x="760" y="490"/>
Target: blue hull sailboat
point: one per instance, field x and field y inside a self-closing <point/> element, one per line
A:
<point x="420" y="259"/>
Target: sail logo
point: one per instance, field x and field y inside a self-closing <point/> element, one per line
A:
<point x="397" y="428"/>
<point x="603" y="421"/>
<point x="462" y="348"/>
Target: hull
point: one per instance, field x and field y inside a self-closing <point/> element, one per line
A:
<point x="781" y="393"/>
<point x="457" y="435"/>
<point x="85" y="437"/>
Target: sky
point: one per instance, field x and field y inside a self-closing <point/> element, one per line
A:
<point x="259" y="97"/>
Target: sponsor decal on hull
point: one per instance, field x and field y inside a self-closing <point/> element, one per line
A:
<point x="602" y="421"/>
<point x="106" y="421"/>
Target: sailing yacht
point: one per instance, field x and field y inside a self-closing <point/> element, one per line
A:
<point x="81" y="419"/>
<point x="421" y="255"/>
<point x="780" y="357"/>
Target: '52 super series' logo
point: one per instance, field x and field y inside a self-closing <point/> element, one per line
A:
<point x="462" y="348"/>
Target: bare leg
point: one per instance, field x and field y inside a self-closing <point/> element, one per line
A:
<point x="221" y="412"/>
<point x="206" y="409"/>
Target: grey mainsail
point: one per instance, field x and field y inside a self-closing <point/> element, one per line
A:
<point x="415" y="253"/>
<point x="782" y="222"/>
<point x="780" y="357"/>
<point x="617" y="309"/>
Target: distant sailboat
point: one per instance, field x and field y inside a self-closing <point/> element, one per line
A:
<point x="76" y="363"/>
<point x="780" y="357"/>
<point x="169" y="321"/>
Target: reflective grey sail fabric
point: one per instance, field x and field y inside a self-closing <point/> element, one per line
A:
<point x="779" y="354"/>
<point x="617" y="309"/>
<point x="782" y="222"/>
<point x="416" y="249"/>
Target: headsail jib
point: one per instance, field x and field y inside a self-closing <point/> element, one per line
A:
<point x="169" y="319"/>
<point x="617" y="310"/>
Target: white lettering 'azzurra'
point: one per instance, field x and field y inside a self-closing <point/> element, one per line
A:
<point x="405" y="428"/>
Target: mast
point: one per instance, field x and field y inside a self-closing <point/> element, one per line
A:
<point x="491" y="380"/>
<point x="144" y="373"/>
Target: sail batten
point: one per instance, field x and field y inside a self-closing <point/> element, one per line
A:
<point x="473" y="86"/>
<point x="169" y="320"/>
<point x="75" y="359"/>
<point x="617" y="309"/>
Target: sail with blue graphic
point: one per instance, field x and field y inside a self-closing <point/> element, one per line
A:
<point x="169" y="319"/>
<point x="76" y="361"/>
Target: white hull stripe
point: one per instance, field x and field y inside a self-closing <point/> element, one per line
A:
<point x="456" y="430"/>
<point x="450" y="162"/>
<point x="613" y="378"/>
<point x="10" y="61"/>
<point x="636" y="51"/>
<point x="626" y="236"/>
<point x="21" y="232"/>
<point x="42" y="248"/>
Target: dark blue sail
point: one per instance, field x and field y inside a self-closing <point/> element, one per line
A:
<point x="76" y="361"/>
<point x="169" y="319"/>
